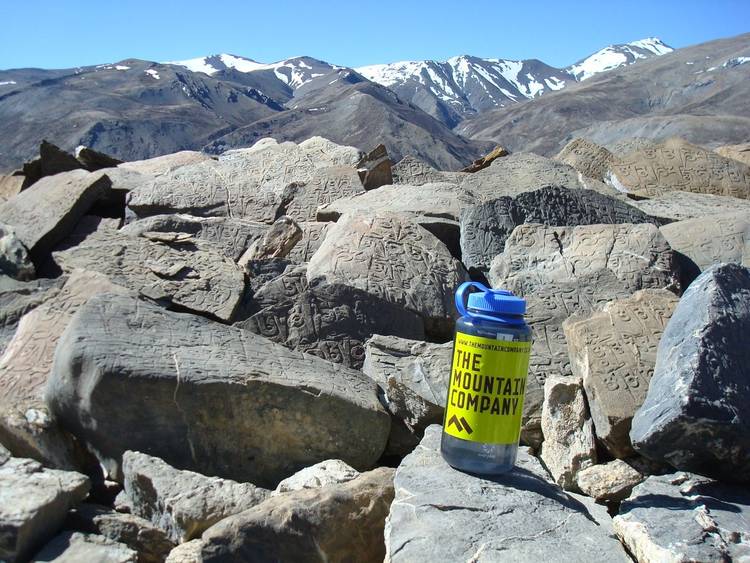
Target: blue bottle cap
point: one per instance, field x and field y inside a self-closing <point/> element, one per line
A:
<point x="494" y="303"/>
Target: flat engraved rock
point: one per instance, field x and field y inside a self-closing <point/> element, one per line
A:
<point x="414" y="172"/>
<point x="212" y="398"/>
<point x="325" y="186"/>
<point x="588" y="158"/>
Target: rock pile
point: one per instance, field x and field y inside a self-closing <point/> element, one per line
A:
<point x="218" y="359"/>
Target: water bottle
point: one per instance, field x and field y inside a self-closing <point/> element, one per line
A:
<point x="483" y="411"/>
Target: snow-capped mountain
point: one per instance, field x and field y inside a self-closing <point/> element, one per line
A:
<point x="615" y="56"/>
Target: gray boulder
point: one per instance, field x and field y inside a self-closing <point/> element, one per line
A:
<point x="166" y="163"/>
<point x="10" y="185"/>
<point x="325" y="186"/>
<point x="212" y="392"/>
<point x="313" y="234"/>
<point x="323" y="474"/>
<point x="14" y="259"/>
<point x="52" y="160"/>
<point x="276" y="242"/>
<point x="687" y="205"/>
<point x="696" y="415"/>
<point x="440" y="514"/>
<point x="588" y="158"/>
<point x="414" y="172"/>
<point x="75" y="547"/>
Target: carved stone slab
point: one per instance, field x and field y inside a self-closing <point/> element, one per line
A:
<point x="325" y="186"/>
<point x="189" y="276"/>
<point x="165" y="163"/>
<point x="687" y="205"/>
<point x="214" y="399"/>
<point x="678" y="165"/>
<point x="414" y="172"/>
<point x="588" y="158"/>
<point x="739" y="152"/>
<point x="313" y="234"/>
<point x="614" y="352"/>
<point x="375" y="168"/>
<point x="486" y="226"/>
<point x="394" y="259"/>
<point x="46" y="214"/>
<point x="18" y="298"/>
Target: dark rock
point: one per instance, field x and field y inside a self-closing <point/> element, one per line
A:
<point x="52" y="160"/>
<point x="375" y="168"/>
<point x="93" y="160"/>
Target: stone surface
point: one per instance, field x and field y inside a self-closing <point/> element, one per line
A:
<point x="486" y="226"/>
<point x="325" y="186"/>
<point x="375" y="168"/>
<point x="313" y="234"/>
<point x="696" y="415"/>
<point x="276" y="242"/>
<point x="392" y="258"/>
<point x="588" y="158"/>
<point x="211" y="395"/>
<point x="164" y="164"/>
<point x="189" y="276"/>
<point x="614" y="351"/>
<point x="329" y="320"/>
<point x="26" y="425"/>
<point x="52" y="160"/>
<point x="140" y="535"/>
<point x="14" y="259"/>
<point x="486" y="160"/>
<point x="739" y="152"/>
<point x="188" y="552"/>
<point x="675" y="164"/>
<point x="414" y="172"/>
<point x="226" y="235"/>
<point x="44" y="216"/>
<point x="440" y="514"/>
<point x="612" y="481"/>
<point x="93" y="160"/>
<point x="75" y="547"/>
<point x="340" y="522"/>
<point x="182" y="503"/>
<point x="33" y="504"/>
<point x="687" y="205"/>
<point x="569" y="443"/>
<point x="681" y="517"/>
<point x="10" y="185"/>
<point x="18" y="298"/>
<point x="323" y="474"/>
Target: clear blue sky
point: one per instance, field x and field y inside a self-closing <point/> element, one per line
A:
<point x="58" y="34"/>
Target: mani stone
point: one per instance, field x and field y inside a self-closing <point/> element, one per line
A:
<point x="328" y="320"/>
<point x="182" y="503"/>
<point x="682" y="517"/>
<point x="392" y="258"/>
<point x="696" y="415"/>
<point x="678" y="165"/>
<point x="486" y="160"/>
<point x="45" y="215"/>
<point x="190" y="276"/>
<point x="486" y="226"/>
<point x="414" y="172"/>
<point x="614" y="351"/>
<point x="739" y="152"/>
<point x="18" y="298"/>
<point x="374" y="168"/>
<point x="33" y="503"/>
<point x="14" y="259"/>
<point x="338" y="522"/>
<point x="227" y="235"/>
<point x="164" y="164"/>
<point x="323" y="474"/>
<point x="588" y="158"/>
<point x="569" y="442"/>
<point x="26" y="425"/>
<point x="276" y="242"/>
<point x="612" y="481"/>
<point x="73" y="547"/>
<point x="687" y="205"/>
<point x="213" y="399"/>
<point x="325" y="186"/>
<point x="440" y="514"/>
<point x="313" y="234"/>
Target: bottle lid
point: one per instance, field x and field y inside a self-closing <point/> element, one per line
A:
<point x="486" y="302"/>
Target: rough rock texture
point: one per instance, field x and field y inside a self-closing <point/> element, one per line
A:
<point x="189" y="276"/>
<point x="614" y="351"/>
<point x="93" y="160"/>
<point x="323" y="474"/>
<point x="412" y="171"/>
<point x="313" y="234"/>
<point x="277" y="241"/>
<point x="75" y="547"/>
<point x="393" y="258"/>
<point x="588" y="158"/>
<point x="211" y="395"/>
<point x="164" y="164"/>
<point x="681" y="517"/>
<point x="18" y="298"/>
<point x="26" y="425"/>
<point x="331" y="321"/>
<point x="340" y="522"/>
<point x="375" y="168"/>
<point x="14" y="259"/>
<point x="33" y="504"/>
<point x="696" y="415"/>
<point x="486" y="160"/>
<point x="486" y="226"/>
<point x="182" y="503"/>
<point x="188" y="552"/>
<point x="10" y="185"/>
<point x="44" y="216"/>
<point x="569" y="443"/>
<point x="140" y="535"/>
<point x="52" y="160"/>
<point x="687" y="205"/>
<point x="440" y="514"/>
<point x="677" y="165"/>
<point x="325" y="186"/>
<point x="612" y="481"/>
<point x="226" y="235"/>
<point x="739" y="152"/>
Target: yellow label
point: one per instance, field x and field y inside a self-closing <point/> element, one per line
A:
<point x="486" y="390"/>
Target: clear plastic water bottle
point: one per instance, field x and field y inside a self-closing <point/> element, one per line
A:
<point x="484" y="406"/>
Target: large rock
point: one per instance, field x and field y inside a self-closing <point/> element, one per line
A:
<point x="18" y="298"/>
<point x="74" y="547"/>
<point x="211" y="395"/>
<point x="739" y="152"/>
<point x="189" y="276"/>
<point x="45" y="215"/>
<point x="26" y="425"/>
<point x="374" y="168"/>
<point x="612" y="481"/>
<point x="166" y="163"/>
<point x="276" y="242"/>
<point x="93" y="160"/>
<point x="569" y="443"/>
<point x="14" y="258"/>
<point x="182" y="503"/>
<point x="313" y="234"/>
<point x="440" y="514"/>
<point x="33" y="504"/>
<point x="414" y="172"/>
<point x="393" y="258"/>
<point x="329" y="320"/>
<point x="486" y="226"/>
<point x="325" y="186"/>
<point x="340" y="522"/>
<point x="10" y="185"/>
<point x="614" y="351"/>
<point x="52" y="160"/>
<point x="681" y="517"/>
<point x="323" y="474"/>
<point x="486" y="160"/>
<point x="226" y="235"/>
<point x="588" y="158"/>
<point x="696" y="415"/>
<point x="677" y="165"/>
<point x="687" y="205"/>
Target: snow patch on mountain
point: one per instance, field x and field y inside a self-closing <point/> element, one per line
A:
<point x="615" y="56"/>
